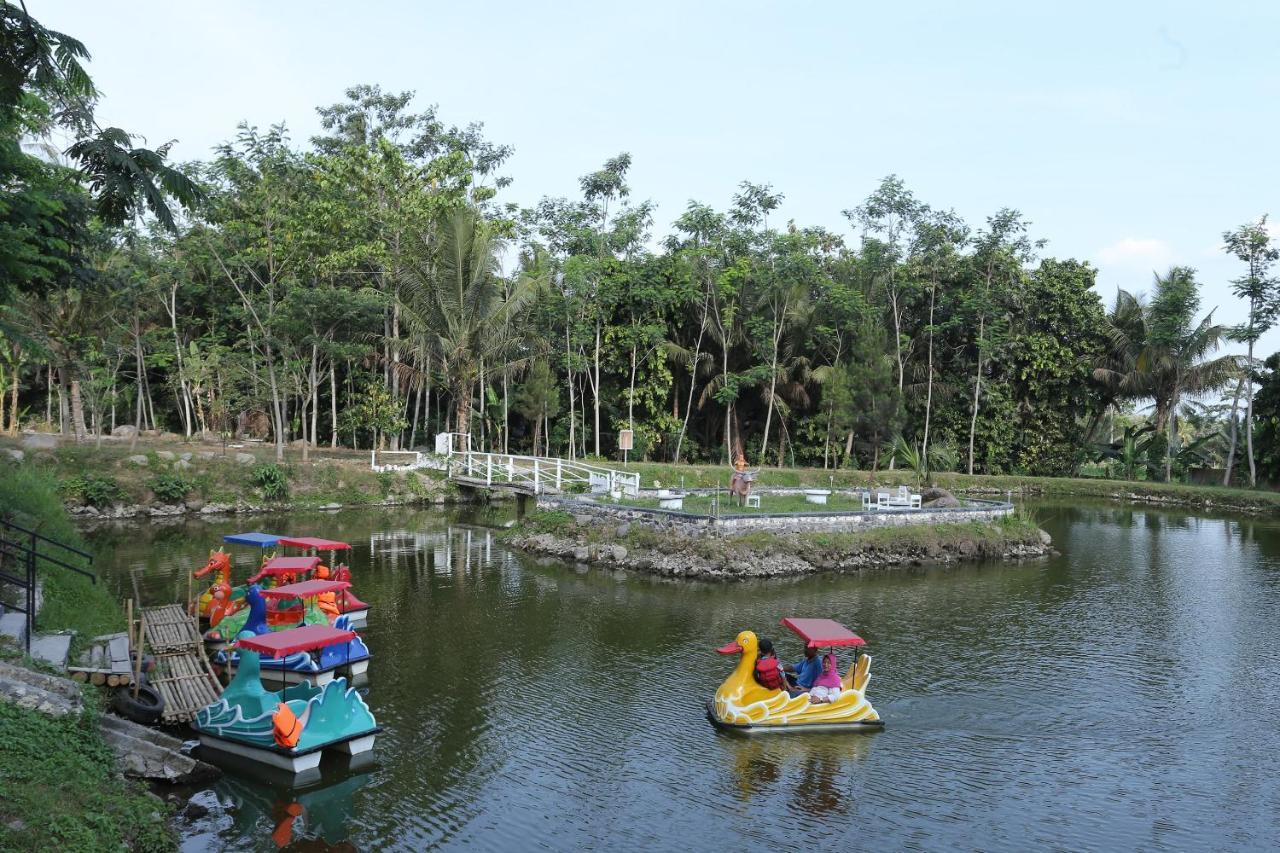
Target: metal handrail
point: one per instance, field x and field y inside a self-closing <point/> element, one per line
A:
<point x="504" y="467"/>
<point x="44" y="538"/>
<point x="34" y="550"/>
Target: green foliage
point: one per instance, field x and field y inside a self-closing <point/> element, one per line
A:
<point x="72" y="602"/>
<point x="62" y="791"/>
<point x="170" y="486"/>
<point x="1266" y="414"/>
<point x="272" y="479"/>
<point x="386" y="482"/>
<point x="96" y="490"/>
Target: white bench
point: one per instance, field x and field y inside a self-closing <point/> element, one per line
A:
<point x="816" y="496"/>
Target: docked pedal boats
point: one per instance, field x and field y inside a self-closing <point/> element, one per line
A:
<point x="742" y="704"/>
<point x="315" y="653"/>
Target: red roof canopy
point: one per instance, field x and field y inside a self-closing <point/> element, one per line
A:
<point x="280" y="643"/>
<point x="305" y="589"/>
<point x="823" y="632"/>
<point x="288" y="565"/>
<point x="314" y="542"/>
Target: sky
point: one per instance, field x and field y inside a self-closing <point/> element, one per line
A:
<point x="1131" y="134"/>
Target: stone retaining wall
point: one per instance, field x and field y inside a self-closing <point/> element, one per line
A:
<point x="974" y="510"/>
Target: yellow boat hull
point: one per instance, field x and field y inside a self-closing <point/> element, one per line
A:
<point x="744" y="705"/>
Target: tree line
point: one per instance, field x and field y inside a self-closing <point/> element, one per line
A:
<point x="373" y="287"/>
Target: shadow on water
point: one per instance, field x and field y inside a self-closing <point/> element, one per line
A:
<point x="1118" y="695"/>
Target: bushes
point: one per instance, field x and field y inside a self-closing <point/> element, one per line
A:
<point x="96" y="490"/>
<point x="170" y="487"/>
<point x="272" y="479"/>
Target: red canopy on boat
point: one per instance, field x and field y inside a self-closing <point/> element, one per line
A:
<point x="288" y="565"/>
<point x="280" y="643"/>
<point x="315" y="542"/>
<point x="305" y="589"/>
<point x="823" y="632"/>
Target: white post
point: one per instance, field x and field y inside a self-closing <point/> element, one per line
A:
<point x="488" y="472"/>
<point x="468" y="463"/>
<point x="511" y="469"/>
<point x="557" y="475"/>
<point x="373" y="459"/>
<point x="535" y="476"/>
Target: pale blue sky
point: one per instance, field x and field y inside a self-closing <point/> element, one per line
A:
<point x="1131" y="134"/>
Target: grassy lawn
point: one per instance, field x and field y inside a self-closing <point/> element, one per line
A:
<point x="61" y="791"/>
<point x="709" y="476"/>
<point x="702" y="504"/>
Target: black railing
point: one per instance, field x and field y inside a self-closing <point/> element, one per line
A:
<point x="21" y="556"/>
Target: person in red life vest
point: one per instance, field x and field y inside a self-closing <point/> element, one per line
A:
<point x="768" y="673"/>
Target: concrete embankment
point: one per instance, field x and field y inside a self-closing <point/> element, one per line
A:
<point x="683" y="551"/>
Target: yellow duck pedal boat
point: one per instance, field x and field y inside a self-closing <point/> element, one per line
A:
<point x="743" y="704"/>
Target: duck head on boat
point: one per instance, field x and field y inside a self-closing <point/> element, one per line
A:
<point x="743" y="704"/>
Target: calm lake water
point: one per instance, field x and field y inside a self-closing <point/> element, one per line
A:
<point x="1125" y="695"/>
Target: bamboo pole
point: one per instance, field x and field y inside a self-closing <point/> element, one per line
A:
<point x="137" y="661"/>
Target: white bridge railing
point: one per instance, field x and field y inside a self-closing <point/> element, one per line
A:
<point x="540" y="473"/>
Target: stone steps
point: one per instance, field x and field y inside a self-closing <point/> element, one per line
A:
<point x="151" y="754"/>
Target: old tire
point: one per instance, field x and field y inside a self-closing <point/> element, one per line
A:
<point x="146" y="709"/>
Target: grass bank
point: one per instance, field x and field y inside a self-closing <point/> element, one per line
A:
<point x="61" y="790"/>
<point x="29" y="497"/>
<point x="168" y="475"/>
<point x="709" y="476"/>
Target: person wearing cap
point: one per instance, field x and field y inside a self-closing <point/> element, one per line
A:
<point x="803" y="673"/>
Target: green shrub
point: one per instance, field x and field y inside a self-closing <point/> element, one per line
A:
<point x="272" y="479"/>
<point x="170" y="487"/>
<point x="386" y="481"/>
<point x="97" y="490"/>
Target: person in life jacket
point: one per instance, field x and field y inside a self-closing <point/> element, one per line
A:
<point x="768" y="674"/>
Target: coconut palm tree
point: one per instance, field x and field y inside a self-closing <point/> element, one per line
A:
<point x="1158" y="351"/>
<point x="457" y="310"/>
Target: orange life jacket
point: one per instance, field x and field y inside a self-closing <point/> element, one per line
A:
<point x="768" y="673"/>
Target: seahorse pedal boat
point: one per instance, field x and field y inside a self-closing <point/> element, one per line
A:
<point x="290" y="728"/>
<point x="742" y="704"/>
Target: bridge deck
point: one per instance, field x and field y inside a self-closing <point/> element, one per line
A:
<point x="521" y="488"/>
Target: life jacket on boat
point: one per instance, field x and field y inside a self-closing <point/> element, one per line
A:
<point x="285" y="726"/>
<point x="768" y="674"/>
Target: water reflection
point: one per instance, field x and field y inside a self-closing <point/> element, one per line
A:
<point x="1118" y="696"/>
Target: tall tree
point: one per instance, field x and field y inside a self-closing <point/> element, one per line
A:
<point x="1252" y="244"/>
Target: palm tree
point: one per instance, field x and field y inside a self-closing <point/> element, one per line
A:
<point x="454" y="304"/>
<point x="1159" y="351"/>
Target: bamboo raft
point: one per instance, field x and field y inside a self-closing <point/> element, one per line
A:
<point x="182" y="675"/>
<point x="170" y="629"/>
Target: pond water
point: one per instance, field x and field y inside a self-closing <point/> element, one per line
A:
<point x="1122" y="695"/>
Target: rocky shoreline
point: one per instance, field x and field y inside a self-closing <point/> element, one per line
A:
<point x="711" y="556"/>
<point x="86" y="513"/>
